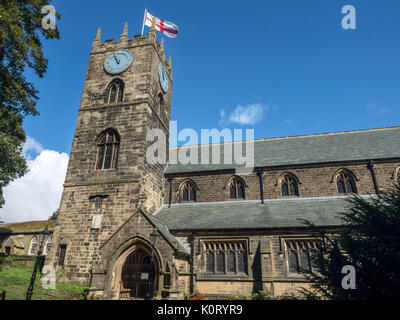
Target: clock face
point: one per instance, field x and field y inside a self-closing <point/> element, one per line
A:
<point x="118" y="61"/>
<point x="163" y="78"/>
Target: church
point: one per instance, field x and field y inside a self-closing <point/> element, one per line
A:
<point x="131" y="230"/>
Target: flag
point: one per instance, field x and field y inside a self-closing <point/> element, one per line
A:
<point x="165" y="27"/>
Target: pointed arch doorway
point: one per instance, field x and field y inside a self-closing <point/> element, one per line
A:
<point x="139" y="274"/>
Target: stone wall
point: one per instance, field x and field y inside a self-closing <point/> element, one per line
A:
<point x="267" y="266"/>
<point x="314" y="181"/>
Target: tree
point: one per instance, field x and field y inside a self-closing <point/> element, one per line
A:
<point x="20" y="47"/>
<point x="54" y="216"/>
<point x="370" y="242"/>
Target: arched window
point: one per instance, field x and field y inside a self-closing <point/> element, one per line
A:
<point x="188" y="192"/>
<point x="107" y="150"/>
<point x="160" y="102"/>
<point x="32" y="246"/>
<point x="115" y="91"/>
<point x="289" y="186"/>
<point x="236" y="189"/>
<point x="397" y="176"/>
<point x="47" y="246"/>
<point x="345" y="182"/>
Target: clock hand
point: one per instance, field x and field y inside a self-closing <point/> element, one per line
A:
<point x="115" y="56"/>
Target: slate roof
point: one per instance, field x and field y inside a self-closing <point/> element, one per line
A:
<point x="17" y="242"/>
<point x="28" y="226"/>
<point x="274" y="214"/>
<point x="162" y="227"/>
<point x="319" y="148"/>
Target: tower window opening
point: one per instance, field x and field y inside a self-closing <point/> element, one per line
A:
<point x="115" y="91"/>
<point x="107" y="150"/>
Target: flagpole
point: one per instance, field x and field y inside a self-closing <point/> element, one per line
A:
<point x="144" y="20"/>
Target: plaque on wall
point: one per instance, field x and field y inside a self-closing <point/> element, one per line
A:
<point x="144" y="276"/>
<point x="265" y="246"/>
<point x="96" y="221"/>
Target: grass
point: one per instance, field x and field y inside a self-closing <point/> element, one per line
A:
<point x="15" y="279"/>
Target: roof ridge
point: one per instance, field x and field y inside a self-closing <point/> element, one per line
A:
<point x="291" y="137"/>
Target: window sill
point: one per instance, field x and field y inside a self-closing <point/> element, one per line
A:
<point x="298" y="276"/>
<point x="223" y="277"/>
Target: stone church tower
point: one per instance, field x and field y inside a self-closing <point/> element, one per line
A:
<point x="127" y="92"/>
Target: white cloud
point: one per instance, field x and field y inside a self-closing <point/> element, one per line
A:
<point x="289" y="122"/>
<point x="31" y="148"/>
<point x="376" y="110"/>
<point x="36" y="195"/>
<point x="245" y="115"/>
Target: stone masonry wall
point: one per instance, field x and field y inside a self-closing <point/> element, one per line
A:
<point x="314" y="181"/>
<point x="267" y="265"/>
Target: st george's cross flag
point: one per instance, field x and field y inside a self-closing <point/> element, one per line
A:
<point x="165" y="27"/>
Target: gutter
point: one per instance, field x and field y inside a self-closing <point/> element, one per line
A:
<point x="370" y="166"/>
<point x="250" y="229"/>
<point x="260" y="174"/>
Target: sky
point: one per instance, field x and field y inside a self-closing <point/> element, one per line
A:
<point x="279" y="67"/>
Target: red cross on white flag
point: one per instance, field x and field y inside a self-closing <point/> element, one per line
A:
<point x="165" y="27"/>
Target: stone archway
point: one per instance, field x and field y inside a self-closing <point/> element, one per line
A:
<point x="136" y="273"/>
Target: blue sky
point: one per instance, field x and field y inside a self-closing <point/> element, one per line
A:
<point x="290" y="59"/>
<point x="279" y="67"/>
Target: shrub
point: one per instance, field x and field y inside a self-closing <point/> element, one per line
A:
<point x="260" y="295"/>
<point x="194" y="296"/>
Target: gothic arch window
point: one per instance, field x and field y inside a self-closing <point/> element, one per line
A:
<point x="161" y="103"/>
<point x="47" y="246"/>
<point x="289" y="185"/>
<point x="187" y="192"/>
<point x="33" y="246"/>
<point x="115" y="91"/>
<point x="398" y="178"/>
<point x="236" y="189"/>
<point x="396" y="175"/>
<point x="345" y="182"/>
<point x="107" y="150"/>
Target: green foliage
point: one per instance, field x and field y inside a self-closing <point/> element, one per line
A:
<point x="15" y="279"/>
<point x="369" y="241"/>
<point x="260" y="295"/>
<point x="20" y="47"/>
<point x="54" y="215"/>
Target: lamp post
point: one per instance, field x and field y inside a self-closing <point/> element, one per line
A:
<point x="153" y="237"/>
<point x="42" y="237"/>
